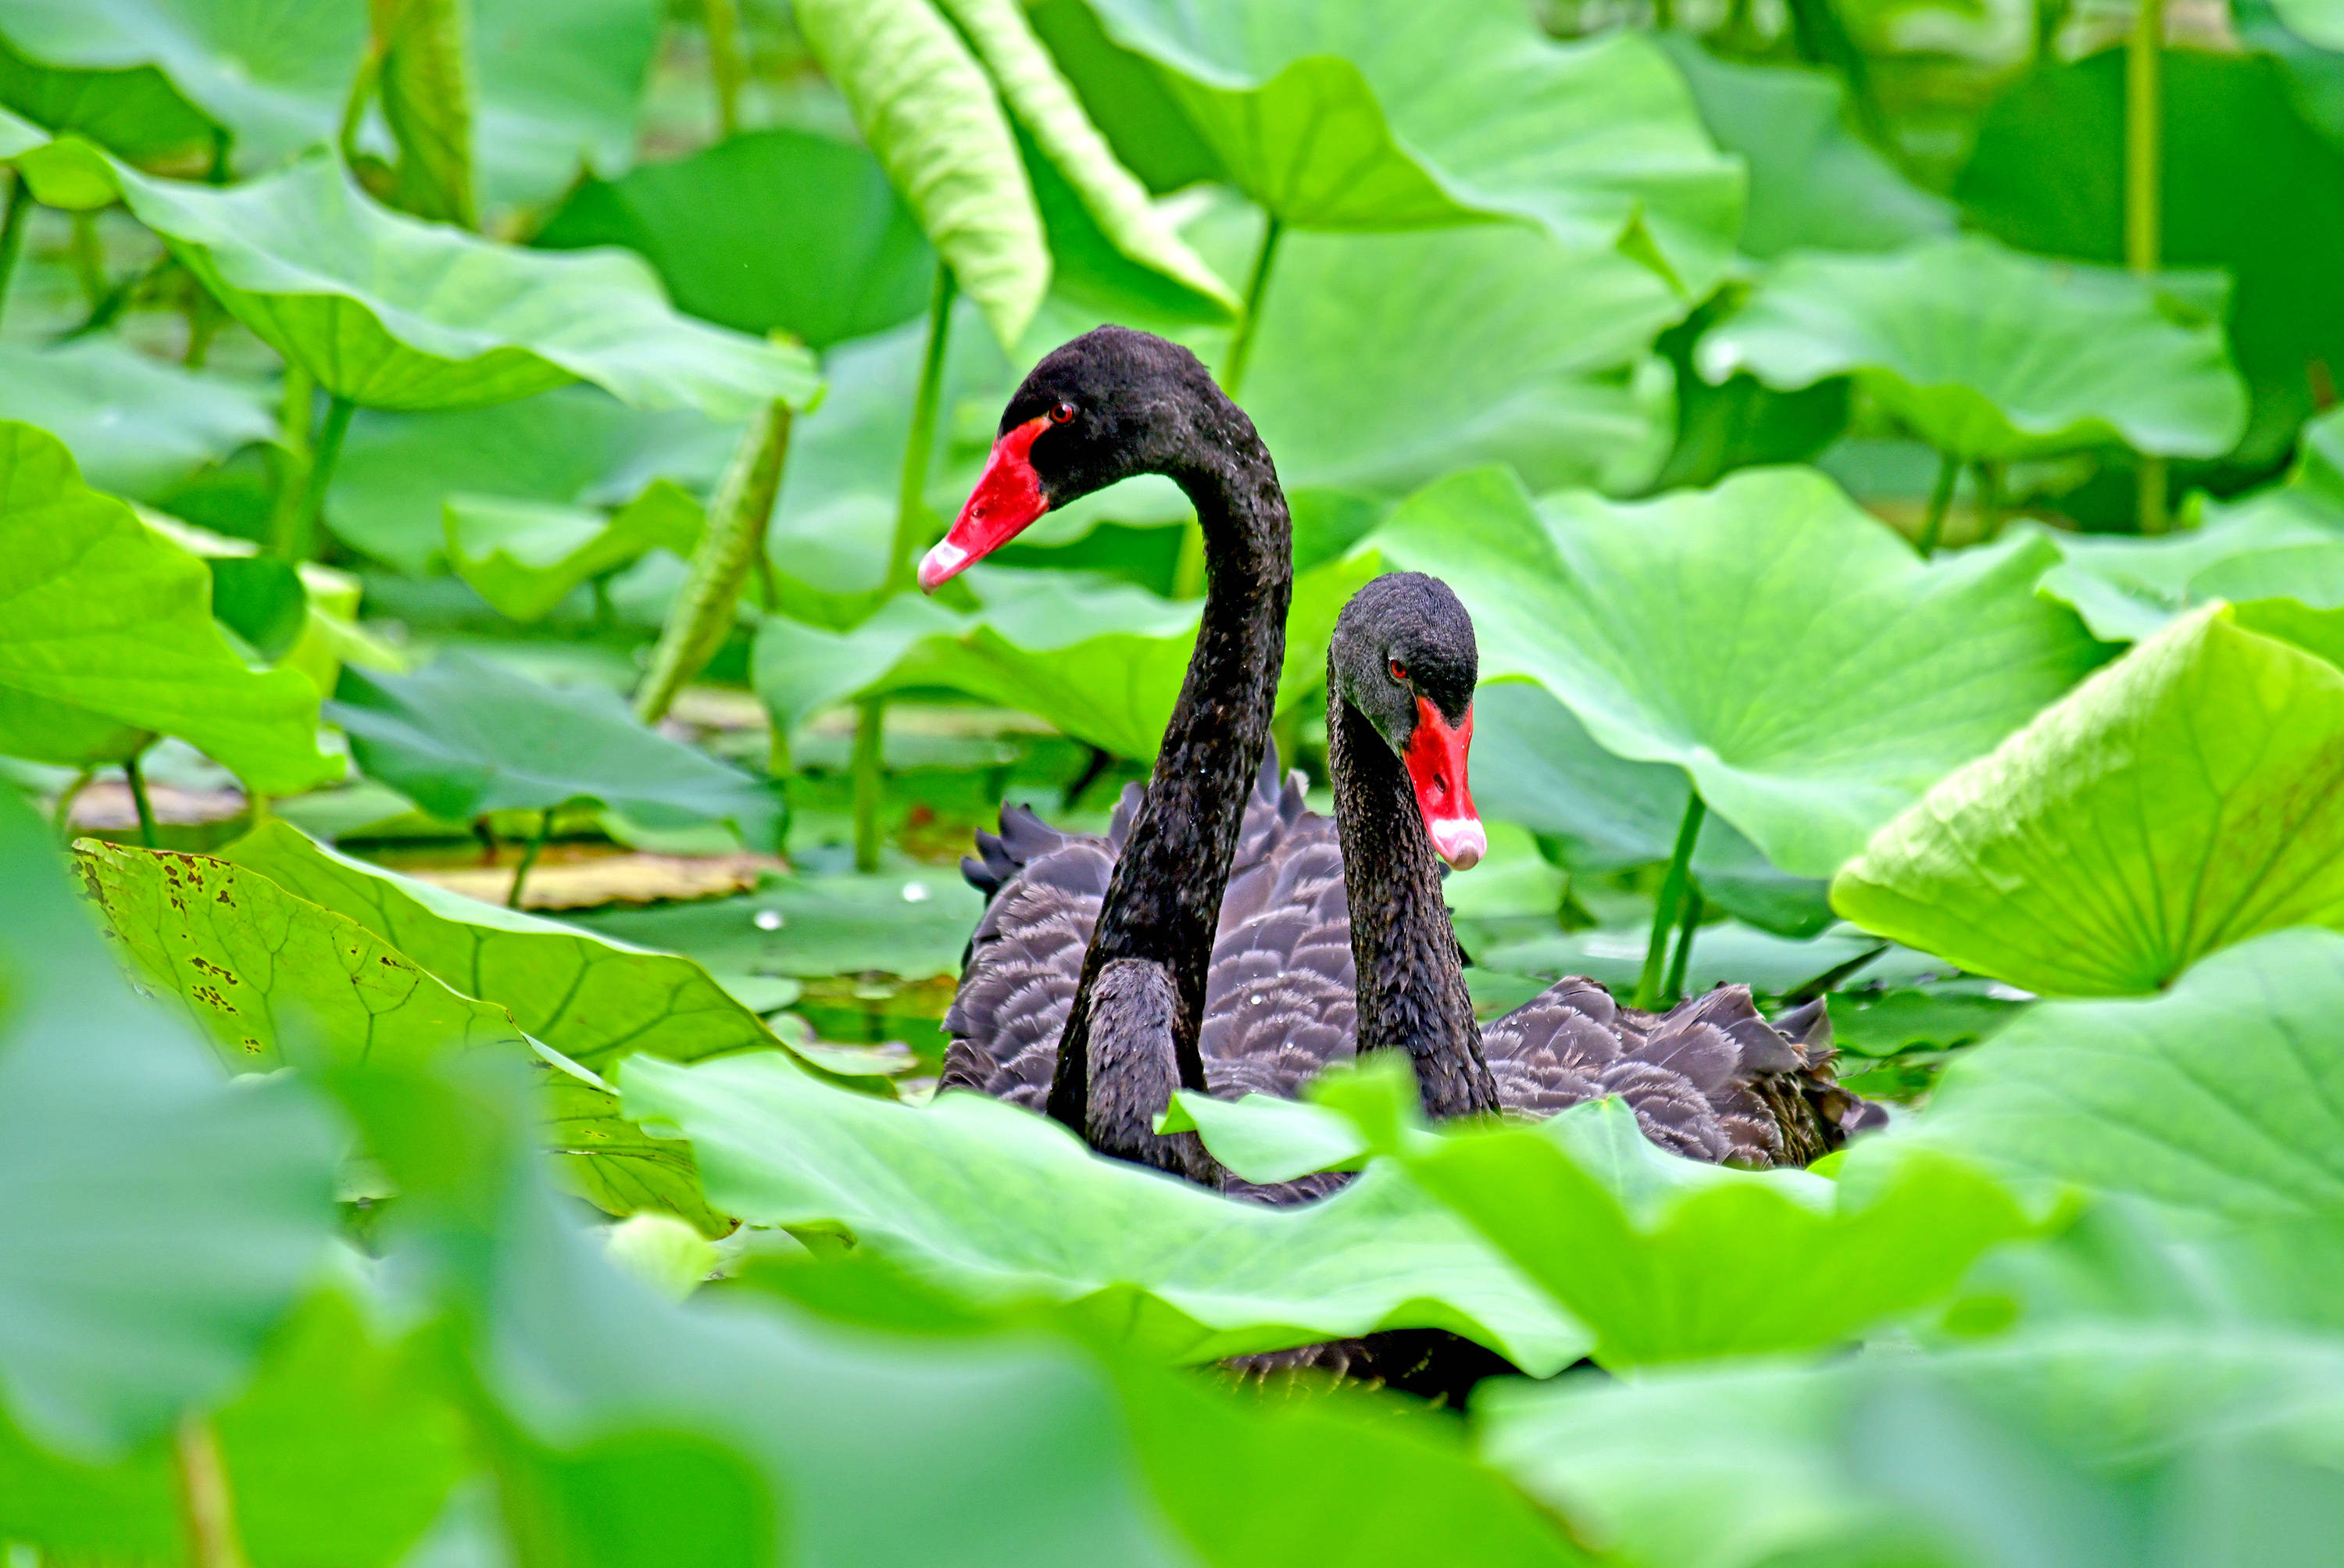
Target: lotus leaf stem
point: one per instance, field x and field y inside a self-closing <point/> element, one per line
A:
<point x="536" y="847"/>
<point x="2144" y="216"/>
<point x="62" y="824"/>
<point x="1933" y="524"/>
<point x="12" y="231"/>
<point x="298" y="534"/>
<point x="1671" y="899"/>
<point x="1673" y="987"/>
<point x="722" y="20"/>
<point x="206" y="1500"/>
<point x="147" y="834"/>
<point x="870" y="741"/>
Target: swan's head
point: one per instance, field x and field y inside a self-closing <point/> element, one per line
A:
<point x="1111" y="404"/>
<point x="1404" y="656"/>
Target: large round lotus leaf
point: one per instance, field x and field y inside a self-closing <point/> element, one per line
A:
<point x="2187" y="797"/>
<point x="461" y="737"/>
<point x="2077" y="1443"/>
<point x="996" y="1204"/>
<point x="1383" y="114"/>
<point x="159" y="1222"/>
<point x="134" y="425"/>
<point x="2220" y="1096"/>
<point x="394" y="313"/>
<point x="1766" y="636"/>
<point x="108" y="638"/>
<point x="1813" y="180"/>
<point x="2248" y="188"/>
<point x="1987" y="353"/>
<point x="774" y="230"/>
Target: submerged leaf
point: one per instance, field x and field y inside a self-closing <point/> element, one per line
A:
<point x="2184" y="798"/>
<point x="1765" y="636"/>
<point x="1990" y="354"/>
<point x="107" y="638"/>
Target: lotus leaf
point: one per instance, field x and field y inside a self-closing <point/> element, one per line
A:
<point x="576" y="446"/>
<point x="134" y="424"/>
<point x="927" y="110"/>
<point x="394" y="313"/>
<point x="1264" y="1138"/>
<point x="161" y="1221"/>
<point x="912" y="925"/>
<point x="108" y="638"/>
<point x="1667" y="1259"/>
<point x="1989" y="354"/>
<point x="2249" y="187"/>
<point x="265" y="973"/>
<point x="1385" y="116"/>
<point x="2183" y="799"/>
<point x="1812" y="181"/>
<point x="1765" y="636"/>
<point x="2081" y="1444"/>
<point x="461" y="737"/>
<point x="558" y="84"/>
<point x="2128" y="589"/>
<point x="774" y="230"/>
<point x="136" y="111"/>
<point x="2219" y="1095"/>
<point x="996" y="1204"/>
<point x="524" y="557"/>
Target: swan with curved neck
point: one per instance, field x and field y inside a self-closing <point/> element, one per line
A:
<point x="1111" y="404"/>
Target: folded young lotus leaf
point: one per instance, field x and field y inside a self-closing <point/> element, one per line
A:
<point x="461" y="737"/>
<point x="2184" y="798"/>
<point x="525" y="556"/>
<point x="1381" y="115"/>
<point x="162" y="1220"/>
<point x="134" y="425"/>
<point x="1987" y="353"/>
<point x="2219" y="1096"/>
<point x="392" y="312"/>
<point x="109" y="639"/>
<point x="1765" y="636"/>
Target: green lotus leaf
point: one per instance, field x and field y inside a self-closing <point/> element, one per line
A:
<point x="1265" y="1139"/>
<point x="1989" y="354"/>
<point x="395" y="313"/>
<point x="278" y="79"/>
<point x="774" y="230"/>
<point x="161" y="1221"/>
<point x="2127" y="588"/>
<point x="134" y="425"/>
<point x="913" y="924"/>
<point x="1671" y="1260"/>
<point x="1534" y="763"/>
<point x="1765" y="636"/>
<point x="461" y="737"/>
<point x="136" y="111"/>
<point x="2183" y="799"/>
<point x="108" y="638"/>
<point x="2217" y="1096"/>
<point x="2321" y="22"/>
<point x="996" y="1204"/>
<point x="524" y="556"/>
<point x="1102" y="663"/>
<point x="927" y="110"/>
<point x="343" y="1447"/>
<point x="2249" y="187"/>
<point x="558" y="85"/>
<point x="576" y="446"/>
<point x="263" y="971"/>
<point x="1385" y="116"/>
<point x="1814" y="182"/>
<point x="2078" y="1444"/>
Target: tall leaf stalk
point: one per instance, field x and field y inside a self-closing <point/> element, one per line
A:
<point x="294" y="527"/>
<point x="722" y="20"/>
<point x="2144" y="168"/>
<point x="730" y="546"/>
<point x="911" y="529"/>
<point x="1933" y="524"/>
<point x="12" y="231"/>
<point x="1678" y="900"/>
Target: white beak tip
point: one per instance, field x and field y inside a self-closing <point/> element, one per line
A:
<point x="940" y="564"/>
<point x="1460" y="841"/>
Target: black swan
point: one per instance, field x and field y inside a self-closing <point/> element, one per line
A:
<point x="1225" y="958"/>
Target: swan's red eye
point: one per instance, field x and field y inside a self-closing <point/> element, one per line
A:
<point x="1399" y="671"/>
<point x="1062" y="413"/>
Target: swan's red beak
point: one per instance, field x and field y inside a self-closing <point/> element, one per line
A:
<point x="1007" y="496"/>
<point x="1436" y="765"/>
